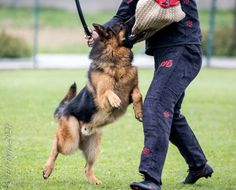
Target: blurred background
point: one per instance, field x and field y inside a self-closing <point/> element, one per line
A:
<point x="39" y="28"/>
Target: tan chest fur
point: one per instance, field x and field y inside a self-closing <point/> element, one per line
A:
<point x="120" y="79"/>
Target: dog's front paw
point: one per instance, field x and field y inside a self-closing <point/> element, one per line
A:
<point x="87" y="131"/>
<point x="114" y="100"/>
<point x="139" y="116"/>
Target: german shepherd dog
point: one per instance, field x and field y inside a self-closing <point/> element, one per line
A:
<point x="112" y="85"/>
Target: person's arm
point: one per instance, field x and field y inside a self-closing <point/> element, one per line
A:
<point x="122" y="15"/>
<point x="125" y="12"/>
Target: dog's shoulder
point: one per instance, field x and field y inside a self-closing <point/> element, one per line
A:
<point x="83" y="106"/>
<point x="127" y="75"/>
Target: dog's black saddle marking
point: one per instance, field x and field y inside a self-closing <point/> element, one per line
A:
<point x="82" y="106"/>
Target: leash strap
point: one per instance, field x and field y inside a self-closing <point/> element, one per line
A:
<point x="81" y="16"/>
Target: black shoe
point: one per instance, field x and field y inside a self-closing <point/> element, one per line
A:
<point x="145" y="185"/>
<point x="193" y="176"/>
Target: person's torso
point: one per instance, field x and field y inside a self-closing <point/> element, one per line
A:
<point x="187" y="31"/>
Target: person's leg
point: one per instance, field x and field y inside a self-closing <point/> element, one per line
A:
<point x="183" y="137"/>
<point x="157" y="118"/>
<point x="171" y="78"/>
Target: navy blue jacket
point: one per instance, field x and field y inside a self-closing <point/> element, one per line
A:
<point x="184" y="32"/>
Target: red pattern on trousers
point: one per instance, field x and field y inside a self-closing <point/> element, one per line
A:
<point x="146" y="150"/>
<point x="189" y="24"/>
<point x="166" y="63"/>
<point x="166" y="114"/>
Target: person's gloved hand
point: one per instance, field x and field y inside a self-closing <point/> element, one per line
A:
<point x="132" y="39"/>
<point x="90" y="40"/>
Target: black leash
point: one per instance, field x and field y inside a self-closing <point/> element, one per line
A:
<point x="81" y="16"/>
<point x="130" y="40"/>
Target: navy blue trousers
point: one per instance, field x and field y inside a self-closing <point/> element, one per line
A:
<point x="175" y="68"/>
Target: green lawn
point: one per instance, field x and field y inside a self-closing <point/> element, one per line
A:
<point x="27" y="101"/>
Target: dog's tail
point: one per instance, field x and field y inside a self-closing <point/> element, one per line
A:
<point x="69" y="96"/>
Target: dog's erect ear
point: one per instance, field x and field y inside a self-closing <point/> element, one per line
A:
<point x="121" y="36"/>
<point x="100" y="30"/>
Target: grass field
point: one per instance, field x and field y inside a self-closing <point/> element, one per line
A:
<point x="28" y="99"/>
<point x="61" y="31"/>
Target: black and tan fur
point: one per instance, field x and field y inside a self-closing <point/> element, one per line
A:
<point x="112" y="86"/>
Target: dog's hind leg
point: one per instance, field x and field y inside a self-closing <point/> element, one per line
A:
<point x="137" y="103"/>
<point x="90" y="148"/>
<point x="66" y="142"/>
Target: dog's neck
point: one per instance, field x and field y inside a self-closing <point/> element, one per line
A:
<point x="100" y="65"/>
<point x="111" y="59"/>
<point x="109" y="55"/>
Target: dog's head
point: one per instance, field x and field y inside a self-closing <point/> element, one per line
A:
<point x="114" y="35"/>
<point x="111" y="43"/>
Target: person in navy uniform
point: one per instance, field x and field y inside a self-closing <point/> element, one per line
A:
<point x="177" y="54"/>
